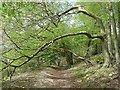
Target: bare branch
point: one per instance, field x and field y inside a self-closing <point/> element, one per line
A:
<point x="9" y="64"/>
<point x="11" y="39"/>
<point x="14" y="58"/>
<point x="47" y="12"/>
<point x="47" y="44"/>
<point x="80" y="10"/>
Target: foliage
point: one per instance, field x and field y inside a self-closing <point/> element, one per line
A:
<point x="27" y="26"/>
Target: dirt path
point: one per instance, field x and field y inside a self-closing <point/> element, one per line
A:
<point x="48" y="78"/>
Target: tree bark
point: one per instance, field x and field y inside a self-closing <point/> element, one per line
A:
<point x="68" y="54"/>
<point x="102" y="31"/>
<point x="110" y="35"/>
<point x="46" y="45"/>
<point x="107" y="59"/>
<point x="87" y="53"/>
<point x="119" y="42"/>
<point x="79" y="10"/>
<point x="115" y="37"/>
<point x="69" y="58"/>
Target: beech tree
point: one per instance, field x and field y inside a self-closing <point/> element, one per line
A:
<point x="115" y="35"/>
<point x="29" y="34"/>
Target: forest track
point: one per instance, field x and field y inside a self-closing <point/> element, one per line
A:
<point x="47" y="78"/>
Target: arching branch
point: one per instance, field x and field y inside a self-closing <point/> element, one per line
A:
<point x="80" y="10"/>
<point x="47" y="44"/>
<point x="101" y="27"/>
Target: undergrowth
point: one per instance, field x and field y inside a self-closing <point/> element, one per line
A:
<point x="95" y="76"/>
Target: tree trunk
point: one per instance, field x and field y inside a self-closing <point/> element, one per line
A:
<point x="113" y="25"/>
<point x="87" y="53"/>
<point x="109" y="36"/>
<point x="69" y="58"/>
<point x="106" y="54"/>
<point x="107" y="59"/>
<point x="96" y="49"/>
<point x="119" y="42"/>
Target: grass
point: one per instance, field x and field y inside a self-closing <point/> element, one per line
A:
<point x="94" y="76"/>
<point x="87" y="77"/>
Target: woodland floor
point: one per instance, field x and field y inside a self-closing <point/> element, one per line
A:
<point x="49" y="77"/>
<point x="78" y="76"/>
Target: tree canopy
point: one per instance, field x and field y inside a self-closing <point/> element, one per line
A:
<point x="43" y="32"/>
